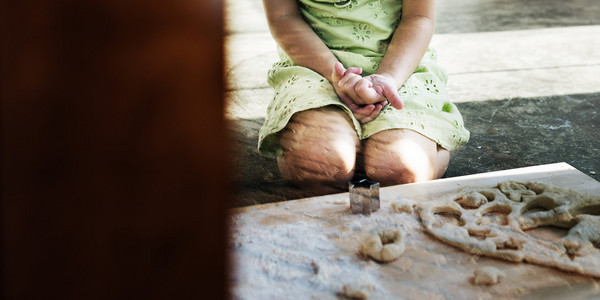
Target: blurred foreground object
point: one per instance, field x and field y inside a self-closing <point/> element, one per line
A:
<point x="112" y="126"/>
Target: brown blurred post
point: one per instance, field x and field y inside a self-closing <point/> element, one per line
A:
<point x="114" y="156"/>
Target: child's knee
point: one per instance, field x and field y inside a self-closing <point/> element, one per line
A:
<point x="316" y="163"/>
<point x="394" y="173"/>
<point x="317" y="171"/>
<point x="399" y="157"/>
<point x="319" y="148"/>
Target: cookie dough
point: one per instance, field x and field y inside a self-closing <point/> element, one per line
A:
<point x="358" y="292"/>
<point x="500" y="225"/>
<point x="403" y="205"/>
<point x="487" y="276"/>
<point x="385" y="246"/>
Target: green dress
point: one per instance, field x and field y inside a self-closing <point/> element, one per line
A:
<point x="358" y="33"/>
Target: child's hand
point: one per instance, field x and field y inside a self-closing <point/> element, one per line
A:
<point x="365" y="96"/>
<point x="378" y="87"/>
<point x="344" y="83"/>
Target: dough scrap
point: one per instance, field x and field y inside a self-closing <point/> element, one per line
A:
<point x="487" y="276"/>
<point x="403" y="205"/>
<point x="385" y="246"/>
<point x="498" y="226"/>
<point x="353" y="291"/>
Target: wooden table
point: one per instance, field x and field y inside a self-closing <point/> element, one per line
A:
<point x="308" y="248"/>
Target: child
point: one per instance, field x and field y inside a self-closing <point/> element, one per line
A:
<point x="357" y="77"/>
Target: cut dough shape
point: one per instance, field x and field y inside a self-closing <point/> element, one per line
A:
<point x="385" y="246"/>
<point x="498" y="226"/>
<point x="472" y="200"/>
<point x="487" y="276"/>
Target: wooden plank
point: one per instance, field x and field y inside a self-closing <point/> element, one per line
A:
<point x="309" y="247"/>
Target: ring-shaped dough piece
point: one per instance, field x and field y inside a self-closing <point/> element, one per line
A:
<point x="385" y="246"/>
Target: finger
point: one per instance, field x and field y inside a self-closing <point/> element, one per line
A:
<point x="349" y="88"/>
<point x="374" y="113"/>
<point x="365" y="110"/>
<point x="363" y="118"/>
<point x="354" y="70"/>
<point x="346" y="100"/>
<point x="348" y="78"/>
<point x="391" y="94"/>
<point x="376" y="110"/>
<point x="353" y="108"/>
<point x="364" y="89"/>
<point x="358" y="110"/>
<point x="350" y="84"/>
<point x="366" y="119"/>
<point x="338" y="71"/>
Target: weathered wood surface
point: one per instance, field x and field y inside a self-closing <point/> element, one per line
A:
<point x="309" y="248"/>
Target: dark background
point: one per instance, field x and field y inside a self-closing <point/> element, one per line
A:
<point x="114" y="158"/>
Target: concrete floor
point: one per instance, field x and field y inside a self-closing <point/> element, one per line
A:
<point x="524" y="74"/>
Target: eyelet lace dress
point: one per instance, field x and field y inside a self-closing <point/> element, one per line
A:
<point x="358" y="33"/>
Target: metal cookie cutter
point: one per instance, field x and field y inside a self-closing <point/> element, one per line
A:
<point x="364" y="196"/>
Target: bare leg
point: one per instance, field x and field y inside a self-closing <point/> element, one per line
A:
<point x="400" y="156"/>
<point x="319" y="150"/>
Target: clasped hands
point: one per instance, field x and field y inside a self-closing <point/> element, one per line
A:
<point x="365" y="96"/>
